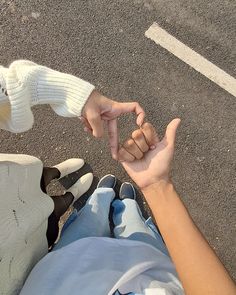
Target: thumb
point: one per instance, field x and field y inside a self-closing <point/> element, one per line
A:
<point x="96" y="123"/>
<point x="171" y="129"/>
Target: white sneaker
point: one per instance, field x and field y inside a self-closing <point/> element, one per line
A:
<point x="69" y="166"/>
<point x="81" y="186"/>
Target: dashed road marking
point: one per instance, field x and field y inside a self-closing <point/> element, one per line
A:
<point x="192" y="58"/>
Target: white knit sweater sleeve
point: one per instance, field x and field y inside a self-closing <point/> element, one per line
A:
<point x="25" y="84"/>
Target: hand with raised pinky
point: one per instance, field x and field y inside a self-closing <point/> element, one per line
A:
<point x="145" y="157"/>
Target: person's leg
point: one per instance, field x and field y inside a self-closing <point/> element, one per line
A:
<point x="47" y="176"/>
<point x="59" y="171"/>
<point x="130" y="224"/>
<point x="92" y="219"/>
<point x="61" y="204"/>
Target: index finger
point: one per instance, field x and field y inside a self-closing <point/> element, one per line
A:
<point x="129" y="107"/>
<point x="113" y="137"/>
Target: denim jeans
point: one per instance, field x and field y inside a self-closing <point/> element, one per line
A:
<point x="93" y="221"/>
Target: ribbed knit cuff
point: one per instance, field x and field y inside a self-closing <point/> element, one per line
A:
<point x="29" y="84"/>
<point x="65" y="93"/>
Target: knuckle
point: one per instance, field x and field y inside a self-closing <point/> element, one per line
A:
<point x="129" y="143"/>
<point x="147" y="125"/>
<point x="122" y="155"/>
<point x="145" y="148"/>
<point x="121" y="152"/>
<point x="137" y="134"/>
<point x="130" y="158"/>
<point x="93" y="118"/>
<point x="139" y="156"/>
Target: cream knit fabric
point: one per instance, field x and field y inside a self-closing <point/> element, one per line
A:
<point x="25" y="84"/>
<point x="24" y="208"/>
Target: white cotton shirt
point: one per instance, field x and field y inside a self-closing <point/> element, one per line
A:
<point x="101" y="266"/>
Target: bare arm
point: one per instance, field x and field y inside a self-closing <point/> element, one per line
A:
<point x="25" y="84"/>
<point x="199" y="269"/>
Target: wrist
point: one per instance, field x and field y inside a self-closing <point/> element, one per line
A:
<point x="161" y="198"/>
<point x="162" y="187"/>
<point x="95" y="94"/>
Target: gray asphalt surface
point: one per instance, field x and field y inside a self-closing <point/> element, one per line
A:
<point x="104" y="43"/>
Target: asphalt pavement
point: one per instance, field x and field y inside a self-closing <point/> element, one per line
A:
<point x="104" y="43"/>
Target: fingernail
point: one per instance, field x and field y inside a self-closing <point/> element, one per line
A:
<point x="152" y="147"/>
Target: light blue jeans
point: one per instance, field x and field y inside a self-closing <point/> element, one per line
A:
<point x="93" y="221"/>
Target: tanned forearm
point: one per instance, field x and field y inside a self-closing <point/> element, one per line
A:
<point x="198" y="267"/>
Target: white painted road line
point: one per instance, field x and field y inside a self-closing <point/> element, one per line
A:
<point x="192" y="58"/>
